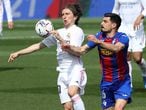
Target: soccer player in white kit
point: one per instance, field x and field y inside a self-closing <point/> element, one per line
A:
<point x="132" y="13"/>
<point x="7" y="5"/>
<point x="72" y="76"/>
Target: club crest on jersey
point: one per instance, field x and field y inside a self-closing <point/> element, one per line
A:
<point x="68" y="38"/>
<point x="68" y="35"/>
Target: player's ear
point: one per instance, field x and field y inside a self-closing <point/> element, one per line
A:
<point x="75" y="18"/>
<point x="114" y="25"/>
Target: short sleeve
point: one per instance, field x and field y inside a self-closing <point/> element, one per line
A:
<point x="92" y="44"/>
<point x="49" y="41"/>
<point x="124" y="39"/>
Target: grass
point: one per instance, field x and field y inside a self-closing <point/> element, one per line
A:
<point x="29" y="83"/>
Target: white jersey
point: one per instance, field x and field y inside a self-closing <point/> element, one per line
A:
<point x="5" y="4"/>
<point x="129" y="10"/>
<point x="74" y="36"/>
<point x="70" y="67"/>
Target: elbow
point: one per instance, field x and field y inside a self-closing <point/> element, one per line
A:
<point x="80" y="52"/>
<point x="116" y="50"/>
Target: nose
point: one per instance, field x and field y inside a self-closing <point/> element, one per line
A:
<point x="101" y="23"/>
<point x="63" y="16"/>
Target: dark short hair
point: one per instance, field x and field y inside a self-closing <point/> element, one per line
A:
<point x="115" y="18"/>
<point x="76" y="10"/>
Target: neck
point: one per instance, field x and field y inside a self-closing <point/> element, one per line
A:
<point x="111" y="34"/>
<point x="67" y="26"/>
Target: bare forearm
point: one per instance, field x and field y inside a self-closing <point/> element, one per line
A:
<point x="27" y="50"/>
<point x="30" y="49"/>
<point x="78" y="51"/>
<point x="110" y="47"/>
<point x="74" y="50"/>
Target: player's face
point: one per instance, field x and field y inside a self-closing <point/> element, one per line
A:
<point x="106" y="25"/>
<point x="68" y="17"/>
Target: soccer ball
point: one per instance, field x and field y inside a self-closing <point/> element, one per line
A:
<point x="43" y="27"/>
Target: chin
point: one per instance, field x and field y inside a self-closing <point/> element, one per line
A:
<point x="102" y="30"/>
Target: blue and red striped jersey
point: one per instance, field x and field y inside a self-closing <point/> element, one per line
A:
<point x="114" y="65"/>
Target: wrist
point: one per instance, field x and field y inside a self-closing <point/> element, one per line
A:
<point x="99" y="41"/>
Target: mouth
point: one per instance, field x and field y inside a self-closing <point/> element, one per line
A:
<point x="101" y="27"/>
<point x="65" y="21"/>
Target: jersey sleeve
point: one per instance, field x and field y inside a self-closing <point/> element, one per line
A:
<point x="49" y="41"/>
<point x="143" y="3"/>
<point x="124" y="39"/>
<point x="116" y="7"/>
<point x="92" y="44"/>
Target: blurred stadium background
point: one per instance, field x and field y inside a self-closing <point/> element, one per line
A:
<point x="37" y="9"/>
<point x="29" y="83"/>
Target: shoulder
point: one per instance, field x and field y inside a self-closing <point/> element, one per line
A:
<point x="122" y="37"/>
<point x="99" y="35"/>
<point x="77" y="28"/>
<point x="121" y="34"/>
<point x="61" y="29"/>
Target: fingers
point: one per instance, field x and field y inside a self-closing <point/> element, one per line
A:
<point x="136" y="27"/>
<point x="12" y="58"/>
<point x="55" y="33"/>
<point x="91" y="37"/>
<point x="10" y="25"/>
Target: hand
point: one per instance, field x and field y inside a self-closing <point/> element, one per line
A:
<point x="137" y="22"/>
<point x="93" y="39"/>
<point x="55" y="34"/>
<point x="65" y="46"/>
<point x="12" y="57"/>
<point x="10" y="25"/>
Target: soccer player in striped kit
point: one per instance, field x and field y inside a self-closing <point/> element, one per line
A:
<point x="112" y="48"/>
<point x="5" y="4"/>
<point x="132" y="13"/>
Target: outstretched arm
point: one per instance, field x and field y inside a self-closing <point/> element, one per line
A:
<point x="30" y="49"/>
<point x="112" y="47"/>
<point x="78" y="51"/>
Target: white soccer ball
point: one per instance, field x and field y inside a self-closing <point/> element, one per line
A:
<point x="43" y="27"/>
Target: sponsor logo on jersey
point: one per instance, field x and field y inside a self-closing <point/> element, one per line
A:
<point x="106" y="52"/>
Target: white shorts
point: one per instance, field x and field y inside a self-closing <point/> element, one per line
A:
<point x="73" y="76"/>
<point x="137" y="43"/>
<point x="136" y="38"/>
